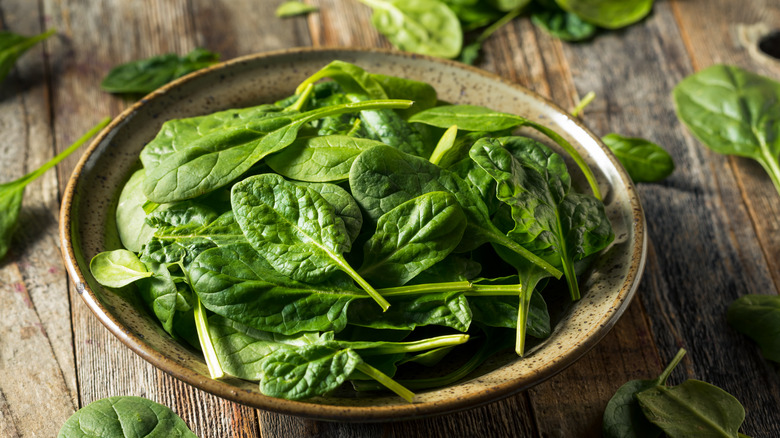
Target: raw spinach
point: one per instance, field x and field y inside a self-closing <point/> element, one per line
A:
<point x="513" y="8"/>
<point x="344" y="206"/>
<point x="210" y="161"/>
<point x="550" y="17"/>
<point x="12" y="193"/>
<point x="12" y="46"/>
<point x="758" y="316"/>
<point x="130" y="215"/>
<point x="293" y="8"/>
<point x="147" y="75"/>
<point x="117" y="268"/>
<point x="609" y="14"/>
<point x="124" y="416"/>
<point x="735" y="112"/>
<point x="644" y="161"/>
<point x="421" y="26"/>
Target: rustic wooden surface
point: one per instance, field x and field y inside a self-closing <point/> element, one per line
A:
<point x="712" y="224"/>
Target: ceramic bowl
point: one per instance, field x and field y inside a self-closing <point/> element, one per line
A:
<point x="87" y="227"/>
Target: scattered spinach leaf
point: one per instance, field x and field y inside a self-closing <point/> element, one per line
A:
<point x="117" y="268"/>
<point x="735" y="112"/>
<point x="12" y="193"/>
<point x="294" y="8"/>
<point x="547" y="15"/>
<point x="758" y="316"/>
<point x="644" y="161"/>
<point x="12" y="46"/>
<point x="124" y="416"/>
<point x="147" y="75"/>
<point x="609" y="14"/>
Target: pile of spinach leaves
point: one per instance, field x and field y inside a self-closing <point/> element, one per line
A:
<point x="458" y="28"/>
<point x="344" y="234"/>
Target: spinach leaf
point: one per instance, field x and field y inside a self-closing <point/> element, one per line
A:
<point x="343" y="204"/>
<point x="215" y="159"/>
<point x="428" y="27"/>
<point x="12" y="193"/>
<point x="319" y="159"/>
<point x="508" y="5"/>
<point x="147" y="75"/>
<point x="117" y="268"/>
<point x="470" y="52"/>
<point x="422" y="93"/>
<point x="124" y="416"/>
<point x="382" y="178"/>
<point x="735" y="112"/>
<point x="12" y="46"/>
<point x="388" y="127"/>
<point x="479" y="118"/>
<point x="473" y="14"/>
<point x="295" y="229"/>
<point x="503" y="312"/>
<point x="167" y="294"/>
<point x="412" y="237"/>
<point x="447" y="309"/>
<point x="452" y="268"/>
<point x="294" y="8"/>
<point x="609" y="14"/>
<point x="559" y="23"/>
<point x="131" y="224"/>
<point x="351" y="79"/>
<point x="758" y="316"/>
<point x="644" y="161"/>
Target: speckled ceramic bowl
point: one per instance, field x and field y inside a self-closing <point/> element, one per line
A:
<point x="87" y="227"/>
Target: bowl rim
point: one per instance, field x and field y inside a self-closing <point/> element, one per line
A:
<point x="341" y="412"/>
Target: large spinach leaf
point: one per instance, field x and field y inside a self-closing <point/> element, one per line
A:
<point x="644" y="161"/>
<point x="125" y="416"/>
<point x="215" y="159"/>
<point x="344" y="206"/>
<point x="421" y="26"/>
<point x="610" y="14"/>
<point x="147" y="75"/>
<point x="295" y="229"/>
<point x="733" y="111"/>
<point x="758" y="316"/>
<point x="12" y="193"/>
<point x="12" y="46"/>
<point x="319" y="159"/>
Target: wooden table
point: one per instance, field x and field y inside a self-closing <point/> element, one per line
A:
<point x="713" y="224"/>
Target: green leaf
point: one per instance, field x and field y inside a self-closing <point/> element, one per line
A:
<point x="124" y="416"/>
<point x="411" y="238"/>
<point x="758" y="316"/>
<point x="693" y="408"/>
<point x="12" y="193"/>
<point x="12" y="46"/>
<point x="117" y="268"/>
<point x="644" y="161"/>
<point x="448" y="309"/>
<point x="292" y="9"/>
<point x="733" y="111"/>
<point x="560" y="23"/>
<point x="609" y="14"/>
<point x="623" y="417"/>
<point x="147" y="75"/>
<point x="295" y="229"/>
<point x="508" y="5"/>
<point x="307" y="371"/>
<point x="131" y="224"/>
<point x="428" y="27"/>
<point x="344" y="206"/>
<point x="319" y="159"/>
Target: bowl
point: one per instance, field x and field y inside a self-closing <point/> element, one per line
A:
<point x="87" y="227"/>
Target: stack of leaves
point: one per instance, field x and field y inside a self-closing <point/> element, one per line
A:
<point x="341" y="234"/>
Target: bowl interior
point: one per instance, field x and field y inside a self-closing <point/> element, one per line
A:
<point x="87" y="227"/>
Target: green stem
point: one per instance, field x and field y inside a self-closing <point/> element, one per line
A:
<point x="445" y="144"/>
<point x="585" y="101"/>
<point x="304" y="97"/>
<point x="386" y="381"/>
<point x="202" y="326"/>
<point x="772" y="168"/>
<point x="415" y="346"/>
<point x="669" y="368"/>
<point x="503" y="240"/>
<point x="469" y="289"/>
<point x="363" y="283"/>
<point x="498" y="24"/>
<point x="523" y="310"/>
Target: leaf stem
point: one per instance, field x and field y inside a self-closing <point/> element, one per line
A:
<point x="209" y="353"/>
<point x="669" y="368"/>
<point x="445" y="143"/>
<point x="304" y="97"/>
<point x="585" y="101"/>
<point x="386" y="381"/>
<point x="503" y="240"/>
<point x="415" y="346"/>
<point x="469" y="289"/>
<point x="363" y="283"/>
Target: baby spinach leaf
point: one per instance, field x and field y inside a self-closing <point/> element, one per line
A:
<point x="412" y="237"/>
<point x="319" y="159"/>
<point x="758" y="316"/>
<point x="12" y="46"/>
<point x="117" y="268"/>
<point x="422" y="93"/>
<point x="295" y="229"/>
<point x="167" y="295"/>
<point x="508" y="5"/>
<point x="219" y="157"/>
<point x="451" y="268"/>
<point x="609" y="14"/>
<point x="294" y="8"/>
<point x="693" y="408"/>
<point x="447" y="309"/>
<point x="382" y="178"/>
<point x="351" y="79"/>
<point x="131" y="224"/>
<point x="125" y="416"/>
<point x="343" y="204"/>
<point x="12" y="193"/>
<point x="733" y="111"/>
<point x="644" y="161"/>
<point x="428" y="27"/>
<point x="565" y="25"/>
<point x="478" y="118"/>
<point x="503" y="312"/>
<point x="147" y="75"/>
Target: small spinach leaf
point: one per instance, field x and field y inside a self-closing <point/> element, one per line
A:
<point x="131" y="224"/>
<point x="293" y="8"/>
<point x="758" y="316"/>
<point x="733" y="111"/>
<point x="12" y="46"/>
<point x="117" y="268"/>
<point x="609" y="14"/>
<point x="343" y="204"/>
<point x="644" y="161"/>
<point x="125" y="416"/>
<point x="559" y="23"/>
<point x="147" y="75"/>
